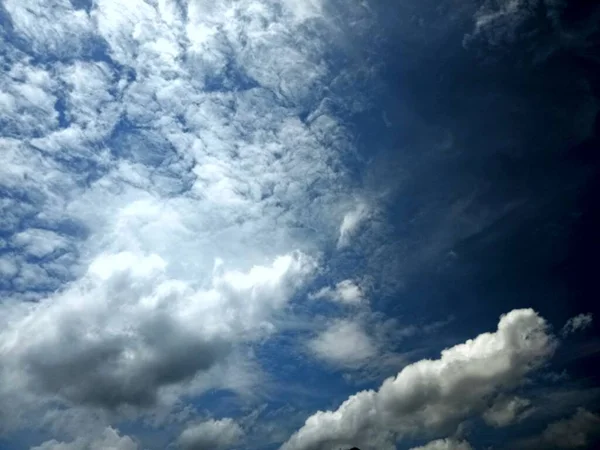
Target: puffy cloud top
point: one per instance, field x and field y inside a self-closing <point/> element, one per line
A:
<point x="434" y="395"/>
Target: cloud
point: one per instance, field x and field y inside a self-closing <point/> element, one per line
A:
<point x="53" y="27"/>
<point x="445" y="444"/>
<point x="109" y="439"/>
<point x="578" y="323"/>
<point x="211" y="435"/>
<point x="505" y="411"/>
<point x="433" y="396"/>
<point x="126" y="331"/>
<point x="39" y="243"/>
<point x="344" y="343"/>
<point x="345" y="292"/>
<point x="142" y="142"/>
<point x="351" y="223"/>
<point x="577" y="431"/>
<point x="506" y="21"/>
<point x="537" y="28"/>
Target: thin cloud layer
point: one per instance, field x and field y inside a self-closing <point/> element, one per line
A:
<point x="433" y="396"/>
<point x="577" y="323"/>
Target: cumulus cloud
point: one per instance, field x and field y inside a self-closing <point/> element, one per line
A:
<point x="211" y="435"/>
<point x="445" y="444"/>
<point x="109" y="439"/>
<point x="434" y="396"/>
<point x="505" y="411"/>
<point x="53" y="27"/>
<point x="126" y="331"/>
<point x="345" y="343"/>
<point x="577" y="431"/>
<point x="345" y="292"/>
<point x="578" y="323"/>
<point x="142" y="142"/>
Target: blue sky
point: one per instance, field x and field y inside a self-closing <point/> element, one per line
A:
<point x="298" y="225"/>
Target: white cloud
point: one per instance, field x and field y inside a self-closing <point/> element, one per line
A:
<point x="505" y="411"/>
<point x="211" y="435"/>
<point x="28" y="98"/>
<point x="445" y="444"/>
<point x="577" y="431"/>
<point x="344" y="343"/>
<point x="53" y="26"/>
<point x="345" y="292"/>
<point x="126" y="331"/>
<point x="110" y="439"/>
<point x="39" y="243"/>
<point x="124" y="183"/>
<point x="8" y="268"/>
<point x="351" y="223"/>
<point x="578" y="323"/>
<point x="432" y="396"/>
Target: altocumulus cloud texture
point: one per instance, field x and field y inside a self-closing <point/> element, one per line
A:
<point x="298" y="224"/>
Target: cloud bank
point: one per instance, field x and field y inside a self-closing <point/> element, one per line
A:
<point x="170" y="178"/>
<point x="434" y="396"/>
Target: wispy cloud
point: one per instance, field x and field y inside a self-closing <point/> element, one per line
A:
<point x="346" y="292"/>
<point x="577" y="323"/>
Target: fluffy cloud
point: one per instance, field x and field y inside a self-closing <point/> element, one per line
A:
<point x="445" y="444"/>
<point x="344" y="343"/>
<point x="433" y="396"/>
<point x="53" y="27"/>
<point x="142" y="142"/>
<point x="126" y="331"/>
<point x="577" y="431"/>
<point x="505" y="411"/>
<point x="211" y="435"/>
<point x="345" y="292"/>
<point x="109" y="439"/>
<point x="578" y="323"/>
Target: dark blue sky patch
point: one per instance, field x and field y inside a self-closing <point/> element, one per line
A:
<point x="86" y="5"/>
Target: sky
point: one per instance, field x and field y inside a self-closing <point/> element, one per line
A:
<point x="299" y="224"/>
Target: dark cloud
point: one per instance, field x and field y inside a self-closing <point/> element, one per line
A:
<point x="99" y="373"/>
<point x="581" y="430"/>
